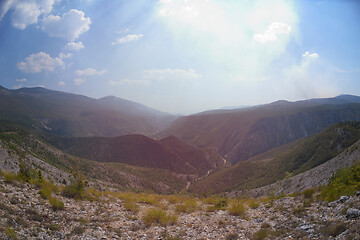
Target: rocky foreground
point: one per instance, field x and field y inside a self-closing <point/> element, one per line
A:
<point x="26" y="215"/>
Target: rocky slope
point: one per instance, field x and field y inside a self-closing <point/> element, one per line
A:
<point x="314" y="177"/>
<point x="288" y="160"/>
<point x="26" y="215"/>
<point x="242" y="133"/>
<point x="16" y="147"/>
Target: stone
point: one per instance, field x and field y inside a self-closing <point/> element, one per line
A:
<point x="352" y="213"/>
<point x="343" y="199"/>
<point x="60" y="235"/>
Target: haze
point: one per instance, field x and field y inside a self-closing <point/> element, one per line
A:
<point x="182" y="56"/>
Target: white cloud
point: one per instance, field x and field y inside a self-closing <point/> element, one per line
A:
<point x="21" y="80"/>
<point x="123" y="31"/>
<point x="170" y="74"/>
<point x="18" y="86"/>
<point x="39" y="62"/>
<point x="89" y="72"/>
<point x="70" y="26"/>
<point x="65" y="55"/>
<point x="74" y="45"/>
<point x="340" y="70"/>
<point x="270" y="34"/>
<point x="127" y="38"/>
<point x="61" y="83"/>
<point x="79" y="81"/>
<point x="310" y="55"/>
<point x="25" y="12"/>
<point x="128" y="82"/>
<point x="220" y="34"/>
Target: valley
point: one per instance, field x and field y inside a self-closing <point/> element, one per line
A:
<point x="249" y="173"/>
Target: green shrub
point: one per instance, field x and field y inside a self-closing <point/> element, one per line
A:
<point x="45" y="192"/>
<point x="154" y="215"/>
<point x="10" y="177"/>
<point x="252" y="203"/>
<point x="10" y="232"/>
<point x="78" y="230"/>
<point x="221" y="203"/>
<point x="131" y="205"/>
<point x="345" y="182"/>
<point x="259" y="235"/>
<point x="76" y="189"/>
<point x="237" y="209"/>
<point x="333" y="229"/>
<point x="211" y="208"/>
<point x="189" y="206"/>
<point x="308" y="193"/>
<point x="56" y="203"/>
<point x="26" y="172"/>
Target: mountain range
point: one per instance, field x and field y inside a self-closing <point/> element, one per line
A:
<point x="215" y="151"/>
<point x="68" y="114"/>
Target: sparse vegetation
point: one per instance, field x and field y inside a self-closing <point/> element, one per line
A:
<point x="56" y="203"/>
<point x="154" y="215"/>
<point x="131" y="205"/>
<point x="260" y="234"/>
<point x="189" y="206"/>
<point x="333" y="229"/>
<point x="77" y="188"/>
<point x="237" y="208"/>
<point x="10" y="232"/>
<point x="345" y="182"/>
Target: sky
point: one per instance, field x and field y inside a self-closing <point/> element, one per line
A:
<point x="183" y="56"/>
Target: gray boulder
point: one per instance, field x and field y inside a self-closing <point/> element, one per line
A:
<point x="352" y="213"/>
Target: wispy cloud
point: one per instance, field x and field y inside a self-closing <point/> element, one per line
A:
<point x="271" y="33"/>
<point x="88" y="72"/>
<point x="127" y="38"/>
<point x="170" y="74"/>
<point x="79" y="81"/>
<point x="74" y="46"/>
<point x="21" y="80"/>
<point x="310" y="55"/>
<point x="129" y="82"/>
<point x="339" y="70"/>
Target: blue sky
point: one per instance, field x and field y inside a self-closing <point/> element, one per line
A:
<point x="183" y="56"/>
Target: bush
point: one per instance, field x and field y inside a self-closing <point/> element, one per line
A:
<point x="76" y="189"/>
<point x="10" y="177"/>
<point x="333" y="229"/>
<point x="252" y="203"/>
<point x="78" y="230"/>
<point x="154" y="215"/>
<point x="259" y="235"/>
<point x="131" y="205"/>
<point x="189" y="206"/>
<point x="221" y="203"/>
<point x="308" y="193"/>
<point x="345" y="182"/>
<point x="10" y="232"/>
<point x="45" y="192"/>
<point x="237" y="209"/>
<point x="56" y="204"/>
<point x="26" y="172"/>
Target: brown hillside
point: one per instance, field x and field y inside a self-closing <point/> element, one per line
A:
<point x="169" y="153"/>
<point x="243" y="133"/>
